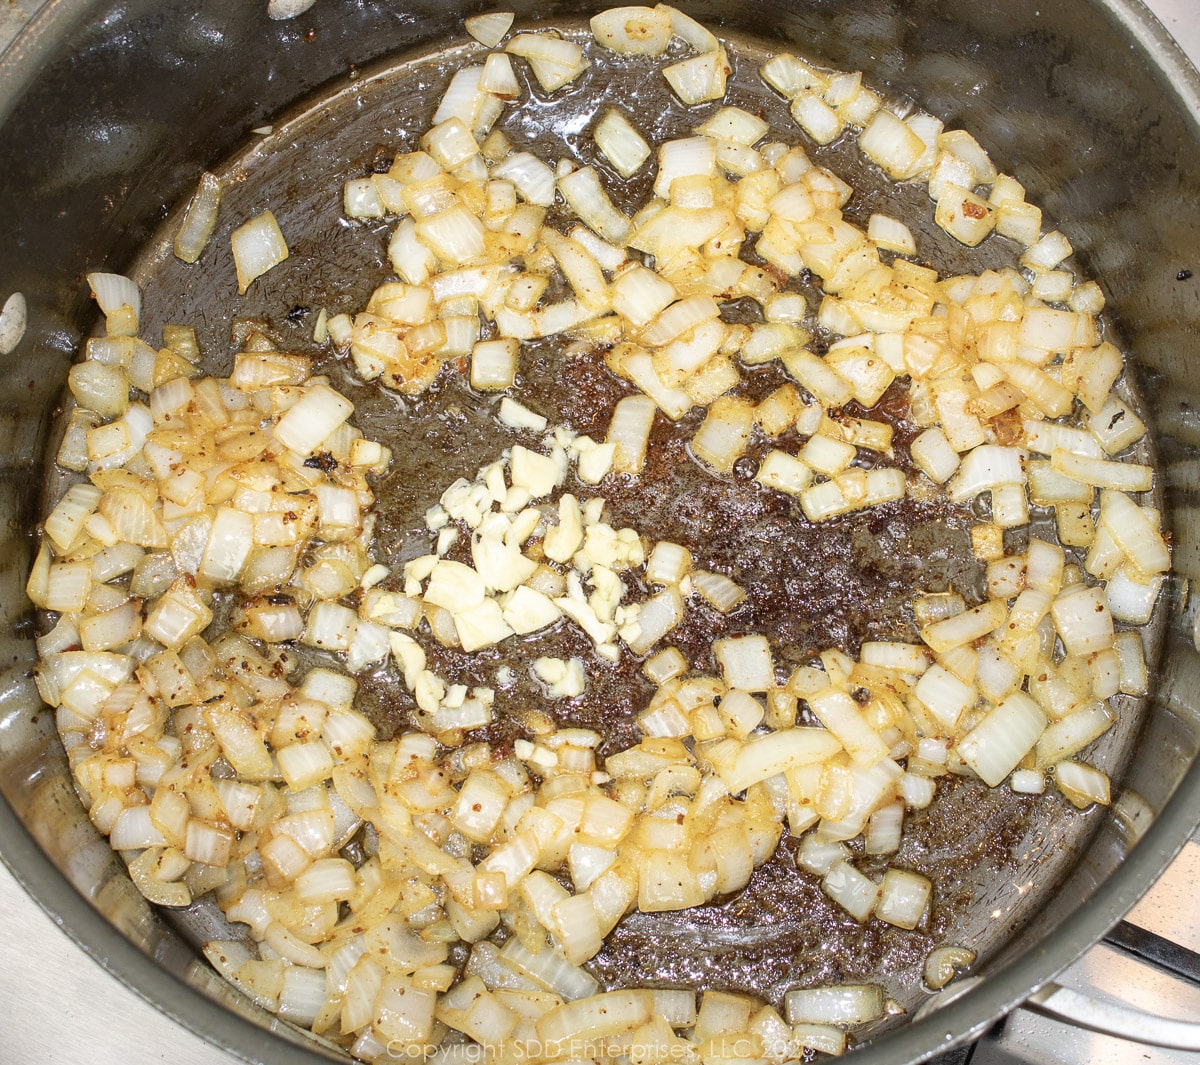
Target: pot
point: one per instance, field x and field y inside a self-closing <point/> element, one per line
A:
<point x="111" y="111"/>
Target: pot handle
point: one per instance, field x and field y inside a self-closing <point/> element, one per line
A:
<point x="1115" y="1019"/>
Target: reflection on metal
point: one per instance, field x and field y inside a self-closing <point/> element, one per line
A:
<point x="948" y="994"/>
<point x="1112" y="1019"/>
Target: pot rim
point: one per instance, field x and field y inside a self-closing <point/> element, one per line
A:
<point x="962" y="1019"/>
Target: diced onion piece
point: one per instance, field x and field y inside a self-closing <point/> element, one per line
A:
<point x="577" y="928"/>
<point x="1083" y="620"/>
<point x="689" y="30"/>
<point x="892" y="234"/>
<point x="944" y="695"/>
<point x="944" y="963"/>
<point x="1082" y="784"/>
<point x="720" y="592"/>
<point x="700" y="78"/>
<point x="844" y="1004"/>
<point x="657" y="616"/>
<point x="551" y="75"/>
<point x="13" y="318"/>
<point x="586" y="197"/>
<point x="143" y="871"/>
<point x="258" y="246"/>
<point x="230" y="541"/>
<point x="1070" y="734"/>
<point x="884" y="829"/>
<point x="745" y="662"/>
<point x="736" y="125"/>
<point x="891" y="144"/>
<point x="633" y="30"/>
<point x="609" y="1013"/>
<point x="281" y="10"/>
<point x="668" y="563"/>
<point x="454" y="235"/>
<point x="498" y="77"/>
<point x="725" y="432"/>
<point x="199" y="220"/>
<point x="489" y="28"/>
<point x="1119" y="476"/>
<point x="987" y="467"/>
<point x="114" y="293"/>
<point x="966" y="627"/>
<point x="549" y="970"/>
<point x="134" y="830"/>
<point x="360" y="199"/>
<point x="620" y="143"/>
<point x="207" y="843"/>
<point x="995" y="747"/>
<point x="903" y="896"/>
<point x="494" y="364"/>
<point x="839" y="713"/>
<point x="312" y="419"/>
<point x="966" y="217"/>
<point x="547" y="48"/>
<point x="816" y="118"/>
<point x="65" y="523"/>
<point x="790" y="76"/>
<point x="776" y="753"/>
<point x="818" y="856"/>
<point x="327" y="880"/>
<point x="629" y="431"/>
<point x="824" y="1038"/>
<point x="1137" y="536"/>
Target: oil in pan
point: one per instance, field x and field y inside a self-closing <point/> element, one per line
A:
<point x="991" y="853"/>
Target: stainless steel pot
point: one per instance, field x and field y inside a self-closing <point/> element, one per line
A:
<point x="112" y="109"/>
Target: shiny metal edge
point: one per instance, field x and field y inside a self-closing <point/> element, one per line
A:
<point x="960" y="1021"/>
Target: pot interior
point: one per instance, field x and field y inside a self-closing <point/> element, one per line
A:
<point x="95" y="172"/>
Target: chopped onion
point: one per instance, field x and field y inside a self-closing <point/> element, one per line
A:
<point x="633" y="30"/>
<point x="847" y="1004"/>
<point x="114" y="293"/>
<point x="944" y="963"/>
<point x="195" y="748"/>
<point x="700" y="78"/>
<point x="620" y="143"/>
<point x="903" y="896"/>
<point x="629" y="431"/>
<point x="258" y="246"/>
<point x="995" y="746"/>
<point x="286" y="9"/>
<point x="489" y="28"/>
<point x="1082" y="784"/>
<point x="13" y="318"/>
<point x="199" y="220"/>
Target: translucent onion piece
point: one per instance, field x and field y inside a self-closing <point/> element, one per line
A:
<point x="489" y="29"/>
<point x="199" y="220"/>
<point x="847" y="1004"/>
<point x="285" y="9"/>
<point x="12" y="322"/>
<point x="944" y="963"/>
<point x="113" y="292"/>
<point x="258" y="246"/>
<point x="633" y="30"/>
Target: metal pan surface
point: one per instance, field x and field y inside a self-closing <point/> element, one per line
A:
<point x="1005" y="863"/>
